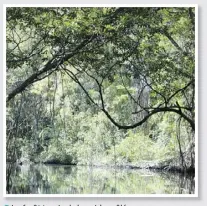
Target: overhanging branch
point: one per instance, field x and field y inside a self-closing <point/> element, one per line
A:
<point x="153" y="111"/>
<point x="52" y="65"/>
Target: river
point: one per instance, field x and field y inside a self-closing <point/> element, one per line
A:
<point x="50" y="179"/>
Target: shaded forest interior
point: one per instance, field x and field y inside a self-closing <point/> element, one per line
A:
<point x="101" y="86"/>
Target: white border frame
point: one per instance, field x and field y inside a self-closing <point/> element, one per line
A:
<point x="101" y="195"/>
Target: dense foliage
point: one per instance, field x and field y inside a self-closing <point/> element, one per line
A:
<point x="101" y="86"/>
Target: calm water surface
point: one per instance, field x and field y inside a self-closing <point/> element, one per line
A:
<point x="47" y="179"/>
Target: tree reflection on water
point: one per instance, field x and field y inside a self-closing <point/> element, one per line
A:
<point x="47" y="179"/>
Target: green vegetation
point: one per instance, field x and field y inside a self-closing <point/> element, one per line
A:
<point x="101" y="86"/>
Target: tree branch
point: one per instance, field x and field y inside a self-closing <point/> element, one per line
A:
<point x="158" y="110"/>
<point x="165" y="32"/>
<point x="51" y="65"/>
<point x="154" y="111"/>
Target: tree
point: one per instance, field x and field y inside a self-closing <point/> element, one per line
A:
<point x="151" y="46"/>
<point x="66" y="65"/>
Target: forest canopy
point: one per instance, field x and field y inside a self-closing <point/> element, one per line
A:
<point x="89" y="85"/>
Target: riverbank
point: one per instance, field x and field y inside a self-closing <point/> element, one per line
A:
<point x="147" y="166"/>
<point x="168" y="165"/>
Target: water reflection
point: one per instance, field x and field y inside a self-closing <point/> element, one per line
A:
<point x="47" y="179"/>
